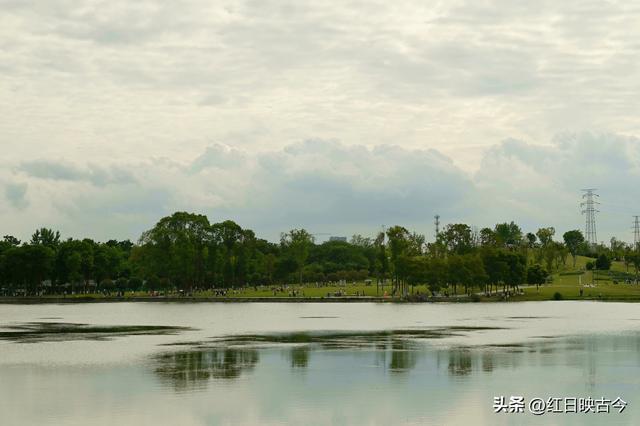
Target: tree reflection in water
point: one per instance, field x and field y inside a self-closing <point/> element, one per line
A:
<point x="194" y="369"/>
<point x="404" y="356"/>
<point x="397" y="353"/>
<point x="299" y="356"/>
<point x="460" y="362"/>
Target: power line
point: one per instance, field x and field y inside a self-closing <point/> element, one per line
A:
<point x="590" y="213"/>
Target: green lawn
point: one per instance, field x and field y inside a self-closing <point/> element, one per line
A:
<point x="599" y="286"/>
<point x="313" y="291"/>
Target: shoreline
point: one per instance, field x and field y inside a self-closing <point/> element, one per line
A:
<point x="347" y="299"/>
<point x="162" y="299"/>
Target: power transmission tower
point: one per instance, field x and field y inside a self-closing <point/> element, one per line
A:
<point x="590" y="211"/>
<point x="437" y="223"/>
<point x="636" y="232"/>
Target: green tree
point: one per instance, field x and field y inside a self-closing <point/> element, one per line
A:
<point x="230" y="236"/>
<point x="27" y="266"/>
<point x="122" y="284"/>
<point x="269" y="262"/>
<point x="297" y="242"/>
<point x="381" y="260"/>
<point x="603" y="262"/>
<point x="436" y="274"/>
<point x="107" y="285"/>
<point x="10" y="241"/>
<point x="487" y="237"/>
<point x="536" y="275"/>
<point x="402" y="245"/>
<point x="508" y="234"/>
<point x="548" y="251"/>
<point x="46" y="237"/>
<point x="73" y="265"/>
<point x="634" y="258"/>
<point x="457" y="238"/>
<point x="476" y="273"/>
<point x="545" y="235"/>
<point x="176" y="248"/>
<point x="573" y="240"/>
<point x="135" y="283"/>
<point x="107" y="262"/>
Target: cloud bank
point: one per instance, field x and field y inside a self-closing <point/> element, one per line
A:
<point x="329" y="187"/>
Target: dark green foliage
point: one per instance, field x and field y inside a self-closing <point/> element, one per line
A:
<point x="573" y="240"/>
<point x="122" y="284"/>
<point x="537" y="275"/>
<point x="603" y="262"/>
<point x="107" y="285"/>
<point x="46" y="237"/>
<point x="135" y="284"/>
<point x="457" y="238"/>
<point x="297" y="244"/>
<point x="504" y="267"/>
<point x="507" y="234"/>
<point x="531" y="239"/>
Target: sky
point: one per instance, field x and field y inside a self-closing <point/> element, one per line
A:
<point x="337" y="116"/>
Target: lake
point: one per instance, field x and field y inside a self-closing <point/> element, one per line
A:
<point x="315" y="363"/>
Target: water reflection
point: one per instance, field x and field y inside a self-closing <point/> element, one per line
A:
<point x="404" y="356"/>
<point x="299" y="356"/>
<point x="387" y="352"/>
<point x="460" y="362"/>
<point x="194" y="369"/>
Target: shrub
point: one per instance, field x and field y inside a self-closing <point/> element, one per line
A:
<point x="557" y="296"/>
<point x="603" y="262"/>
<point x="107" y="284"/>
<point x="135" y="283"/>
<point x="122" y="283"/>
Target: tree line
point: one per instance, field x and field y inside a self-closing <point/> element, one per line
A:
<point x="186" y="252"/>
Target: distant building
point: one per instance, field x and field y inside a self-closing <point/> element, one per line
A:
<point x="338" y="239"/>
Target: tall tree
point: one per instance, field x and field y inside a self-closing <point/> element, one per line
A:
<point x="545" y="235"/>
<point x="46" y="237"/>
<point x="176" y="248"/>
<point x="573" y="240"/>
<point x="508" y="234"/>
<point x="457" y="238"/>
<point x="536" y="275"/>
<point x="298" y="242"/>
<point x="398" y="248"/>
<point x="487" y="237"/>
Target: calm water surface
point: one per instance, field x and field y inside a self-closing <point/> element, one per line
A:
<point x="89" y="364"/>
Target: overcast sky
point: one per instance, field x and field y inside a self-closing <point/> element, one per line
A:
<point x="337" y="116"/>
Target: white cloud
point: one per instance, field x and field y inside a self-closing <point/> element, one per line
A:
<point x="121" y="79"/>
